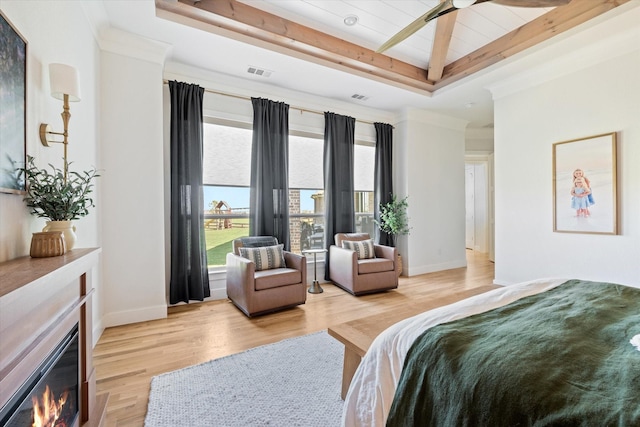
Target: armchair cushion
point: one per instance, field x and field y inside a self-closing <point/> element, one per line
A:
<point x="375" y="265"/>
<point x="268" y="279"/>
<point x="364" y="248"/>
<point x="265" y="257"/>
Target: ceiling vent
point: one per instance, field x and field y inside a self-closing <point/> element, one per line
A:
<point x="359" y="97"/>
<point x="259" y="71"/>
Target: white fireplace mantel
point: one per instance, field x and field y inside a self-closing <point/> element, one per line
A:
<point x="41" y="299"/>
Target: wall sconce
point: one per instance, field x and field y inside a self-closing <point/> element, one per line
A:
<point x="65" y="86"/>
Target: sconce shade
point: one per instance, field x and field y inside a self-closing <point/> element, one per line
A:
<point x="64" y="80"/>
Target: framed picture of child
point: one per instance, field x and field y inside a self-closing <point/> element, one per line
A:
<point x="584" y="185"/>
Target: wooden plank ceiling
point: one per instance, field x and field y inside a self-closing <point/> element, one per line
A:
<point x="245" y="23"/>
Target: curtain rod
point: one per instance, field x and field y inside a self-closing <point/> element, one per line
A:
<point x="248" y="98"/>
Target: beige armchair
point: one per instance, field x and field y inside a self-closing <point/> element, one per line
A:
<point x="364" y="275"/>
<point x="256" y="291"/>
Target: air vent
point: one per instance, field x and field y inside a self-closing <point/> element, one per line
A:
<point x="359" y="97"/>
<point x="259" y="71"/>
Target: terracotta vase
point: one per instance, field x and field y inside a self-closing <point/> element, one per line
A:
<point x="67" y="228"/>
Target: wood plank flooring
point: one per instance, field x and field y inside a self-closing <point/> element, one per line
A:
<point x="127" y="357"/>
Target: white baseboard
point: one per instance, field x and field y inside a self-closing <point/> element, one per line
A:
<point x="134" y="316"/>
<point x="431" y="268"/>
<point x="98" y="329"/>
<point x="217" y="294"/>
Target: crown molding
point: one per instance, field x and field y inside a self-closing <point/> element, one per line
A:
<point x="432" y="118"/>
<point x="601" y="43"/>
<point x="124" y="43"/>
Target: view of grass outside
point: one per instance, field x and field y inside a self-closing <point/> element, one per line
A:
<point x="220" y="242"/>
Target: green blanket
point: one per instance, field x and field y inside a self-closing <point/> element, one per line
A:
<point x="560" y="358"/>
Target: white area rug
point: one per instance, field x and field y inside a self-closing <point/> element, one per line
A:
<point x="294" y="382"/>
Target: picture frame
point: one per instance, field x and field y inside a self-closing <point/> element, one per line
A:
<point x="585" y="185"/>
<point x="13" y="112"/>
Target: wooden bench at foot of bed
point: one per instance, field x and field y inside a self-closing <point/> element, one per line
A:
<point x="357" y="335"/>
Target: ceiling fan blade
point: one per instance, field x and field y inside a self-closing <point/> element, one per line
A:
<point x="448" y="6"/>
<point x="532" y="3"/>
<point x="441" y="9"/>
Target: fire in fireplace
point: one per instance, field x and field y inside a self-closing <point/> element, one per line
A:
<point x="49" y="398"/>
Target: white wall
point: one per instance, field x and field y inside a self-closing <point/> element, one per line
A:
<point x="429" y="168"/>
<point x="589" y="97"/>
<point x="479" y="141"/>
<point x="57" y="32"/>
<point x="133" y="219"/>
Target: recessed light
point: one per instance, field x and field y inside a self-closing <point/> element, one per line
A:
<point x="350" y="20"/>
<point x="469" y="104"/>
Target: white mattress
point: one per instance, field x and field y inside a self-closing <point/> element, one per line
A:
<point x="373" y="386"/>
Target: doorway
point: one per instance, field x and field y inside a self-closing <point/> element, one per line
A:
<point x="478" y="236"/>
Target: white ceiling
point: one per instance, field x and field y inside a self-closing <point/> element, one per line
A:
<point x="380" y="20"/>
<point x="467" y="99"/>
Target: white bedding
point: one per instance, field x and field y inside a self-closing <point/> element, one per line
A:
<point x="374" y="384"/>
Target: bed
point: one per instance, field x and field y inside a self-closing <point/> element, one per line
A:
<point x="426" y="396"/>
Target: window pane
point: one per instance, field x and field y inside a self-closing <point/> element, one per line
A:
<point x="364" y="212"/>
<point x="363" y="171"/>
<point x="306" y="197"/>
<point x="227" y="155"/>
<point x="306" y="220"/>
<point x="226" y="219"/>
<point x="363" y="167"/>
<point x="226" y="175"/>
<point x="305" y="162"/>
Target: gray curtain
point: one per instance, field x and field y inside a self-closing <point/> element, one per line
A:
<point x="189" y="273"/>
<point x="383" y="176"/>
<point x="269" y="193"/>
<point x="339" y="211"/>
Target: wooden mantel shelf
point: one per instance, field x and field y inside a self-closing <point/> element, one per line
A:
<point x="41" y="299"/>
<point x="22" y="271"/>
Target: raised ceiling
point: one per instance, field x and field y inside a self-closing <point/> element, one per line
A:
<point x="445" y="51"/>
<point x="216" y="50"/>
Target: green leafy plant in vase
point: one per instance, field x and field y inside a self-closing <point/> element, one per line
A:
<point x="59" y="197"/>
<point x="394" y="221"/>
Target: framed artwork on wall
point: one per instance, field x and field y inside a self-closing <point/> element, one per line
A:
<point x="585" y="185"/>
<point x="13" y="97"/>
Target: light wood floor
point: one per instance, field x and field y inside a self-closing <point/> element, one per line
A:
<point x="127" y="357"/>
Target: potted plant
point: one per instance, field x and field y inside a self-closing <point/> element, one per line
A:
<point x="393" y="218"/>
<point x="58" y="196"/>
<point x="394" y="221"/>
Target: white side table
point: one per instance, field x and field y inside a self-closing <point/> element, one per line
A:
<point x="315" y="287"/>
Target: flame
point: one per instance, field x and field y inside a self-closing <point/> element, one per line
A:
<point x="47" y="413"/>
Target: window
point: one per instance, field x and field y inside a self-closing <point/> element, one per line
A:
<point x="227" y="177"/>
<point x="306" y="195"/>
<point x="363" y="171"/>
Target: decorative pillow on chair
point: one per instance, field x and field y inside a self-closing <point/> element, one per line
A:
<point x="364" y="248"/>
<point x="265" y="257"/>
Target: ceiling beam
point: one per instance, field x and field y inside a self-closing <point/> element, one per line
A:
<point x="441" y="42"/>
<point x="245" y="23"/>
<point x="554" y="22"/>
